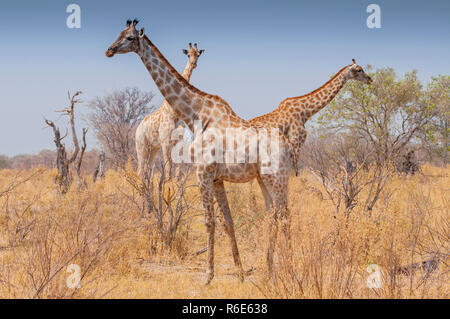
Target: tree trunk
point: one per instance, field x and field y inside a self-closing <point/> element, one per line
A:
<point x="100" y="169"/>
<point x="64" y="178"/>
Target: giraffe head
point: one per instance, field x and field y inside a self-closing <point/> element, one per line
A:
<point x="128" y="40"/>
<point x="356" y="72"/>
<point x="193" y="54"/>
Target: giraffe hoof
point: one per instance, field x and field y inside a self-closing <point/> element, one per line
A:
<point x="208" y="280"/>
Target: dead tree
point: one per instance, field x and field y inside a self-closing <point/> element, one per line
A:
<point x="100" y="169"/>
<point x="64" y="178"/>
<point x="171" y="207"/>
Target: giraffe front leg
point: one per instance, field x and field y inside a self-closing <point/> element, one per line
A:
<point x="280" y="215"/>
<point x="294" y="151"/>
<point x="222" y="200"/>
<point x="285" y="221"/>
<point x="266" y="184"/>
<point x="296" y="139"/>
<point x="146" y="155"/>
<point x="296" y="159"/>
<point x="206" y="191"/>
<point x="277" y="186"/>
<point x="265" y="192"/>
<point x="281" y="203"/>
<point x="273" y="232"/>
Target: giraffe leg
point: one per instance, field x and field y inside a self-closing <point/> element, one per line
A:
<point x="206" y="191"/>
<point x="273" y="224"/>
<point x="277" y="187"/>
<point x="273" y="232"/>
<point x="222" y="200"/>
<point x="284" y="219"/>
<point x="146" y="169"/>
<point x="295" y="143"/>
<point x="265" y="192"/>
<point x="265" y="183"/>
<point x="141" y="151"/>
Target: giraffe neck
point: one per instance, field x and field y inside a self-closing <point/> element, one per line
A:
<point x="174" y="88"/>
<point x="311" y="103"/>
<point x="187" y="73"/>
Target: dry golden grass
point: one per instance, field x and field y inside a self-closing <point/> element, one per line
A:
<point x="121" y="256"/>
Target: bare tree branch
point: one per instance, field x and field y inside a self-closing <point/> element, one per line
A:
<point x="63" y="178"/>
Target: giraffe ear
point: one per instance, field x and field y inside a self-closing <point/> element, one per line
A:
<point x="141" y="33"/>
<point x="185" y="51"/>
<point x="201" y="51"/>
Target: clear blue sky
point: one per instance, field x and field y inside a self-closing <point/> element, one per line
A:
<point x="257" y="52"/>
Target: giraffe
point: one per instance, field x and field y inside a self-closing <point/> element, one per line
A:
<point x="154" y="133"/>
<point x="215" y="113"/>
<point x="292" y="113"/>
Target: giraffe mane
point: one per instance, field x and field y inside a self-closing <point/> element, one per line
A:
<point x="318" y="89"/>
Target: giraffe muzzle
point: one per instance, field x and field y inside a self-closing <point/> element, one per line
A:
<point x="110" y="52"/>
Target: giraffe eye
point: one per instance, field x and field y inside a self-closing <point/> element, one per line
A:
<point x="130" y="38"/>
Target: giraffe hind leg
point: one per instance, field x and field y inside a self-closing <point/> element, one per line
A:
<point x="222" y="200"/>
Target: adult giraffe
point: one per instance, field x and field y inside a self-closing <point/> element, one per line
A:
<point x="215" y="114"/>
<point x="292" y="113"/>
<point x="154" y="133"/>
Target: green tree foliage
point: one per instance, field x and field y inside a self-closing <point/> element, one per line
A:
<point x="388" y="114"/>
<point x="436" y="134"/>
